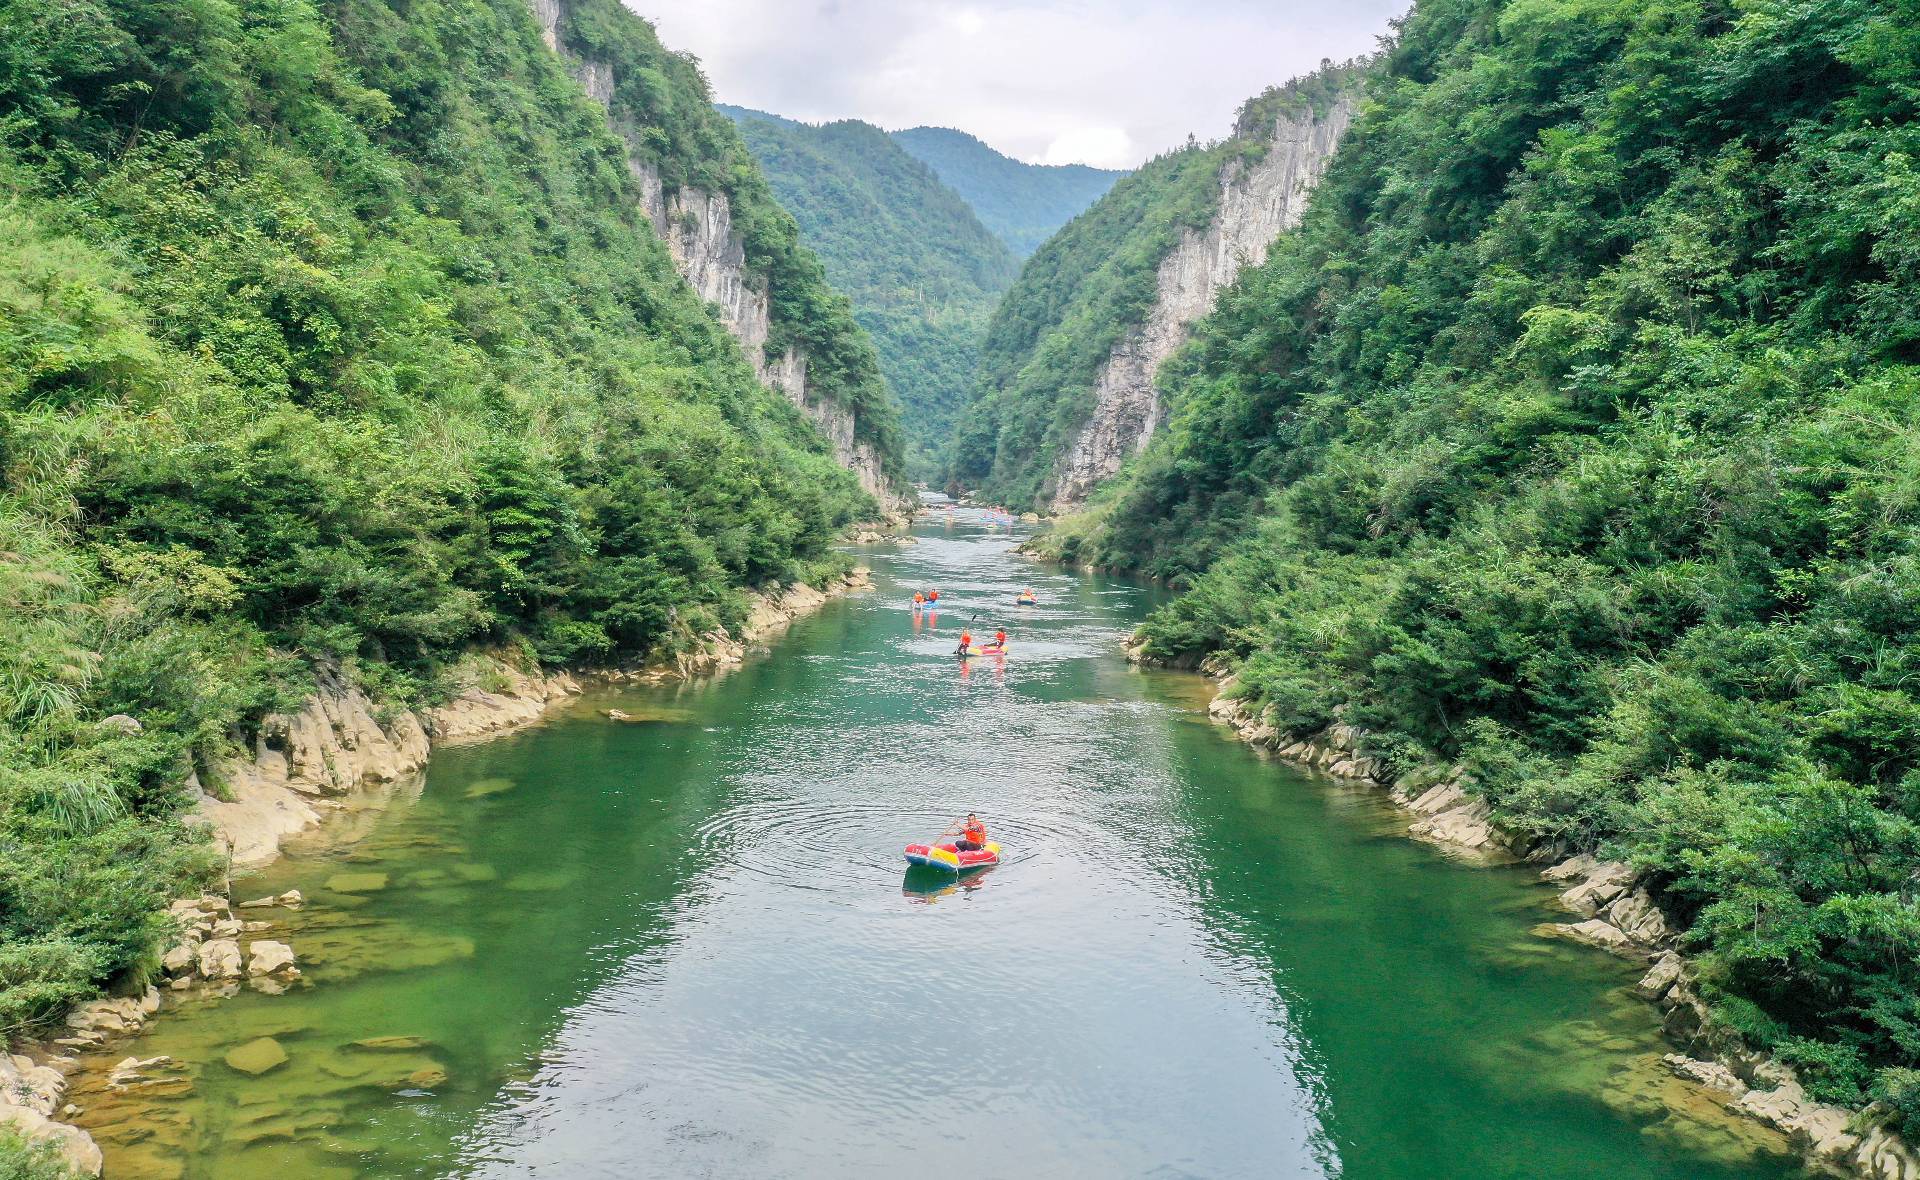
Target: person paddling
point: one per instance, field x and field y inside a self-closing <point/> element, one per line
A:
<point x="966" y="643"/>
<point x="1000" y="640"/>
<point x="971" y="832"/>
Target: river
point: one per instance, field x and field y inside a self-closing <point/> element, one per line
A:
<point x="684" y="945"/>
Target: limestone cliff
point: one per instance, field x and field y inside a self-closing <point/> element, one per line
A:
<point x="1258" y="202"/>
<point x="698" y="228"/>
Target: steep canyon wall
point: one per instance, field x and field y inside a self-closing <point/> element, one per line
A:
<point x="1258" y="202"/>
<point x="698" y="228"/>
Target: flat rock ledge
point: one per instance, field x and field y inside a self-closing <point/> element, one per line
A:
<point x="1615" y="914"/>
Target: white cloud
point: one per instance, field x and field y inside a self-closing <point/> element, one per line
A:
<point x="1103" y="147"/>
<point x="1055" y="80"/>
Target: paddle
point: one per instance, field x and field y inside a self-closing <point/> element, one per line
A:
<point x="966" y="635"/>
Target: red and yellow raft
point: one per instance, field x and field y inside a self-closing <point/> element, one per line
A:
<point x="953" y="859"/>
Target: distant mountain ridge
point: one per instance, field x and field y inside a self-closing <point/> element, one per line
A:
<point x="1022" y="203"/>
<point x="922" y="272"/>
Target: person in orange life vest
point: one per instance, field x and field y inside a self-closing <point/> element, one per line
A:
<point x="1000" y="640"/>
<point x="933" y="596"/>
<point x="919" y="600"/>
<point x="971" y="832"/>
<point x="966" y="642"/>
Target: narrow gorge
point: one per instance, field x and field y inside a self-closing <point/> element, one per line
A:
<point x="498" y="550"/>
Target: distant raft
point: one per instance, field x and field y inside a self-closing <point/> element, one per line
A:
<point x="952" y="859"/>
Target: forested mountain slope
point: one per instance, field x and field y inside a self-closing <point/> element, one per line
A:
<point x="1066" y="390"/>
<point x="1023" y="203"/>
<point x="922" y="272"/>
<point x="338" y="334"/>
<point x="1576" y="435"/>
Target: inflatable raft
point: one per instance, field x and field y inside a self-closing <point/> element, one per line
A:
<point x="952" y="859"/>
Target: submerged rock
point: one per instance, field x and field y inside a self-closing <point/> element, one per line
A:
<point x="393" y="1044"/>
<point x="357" y="882"/>
<point x="257" y="1057"/>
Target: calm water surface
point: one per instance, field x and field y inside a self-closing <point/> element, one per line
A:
<point x="685" y="946"/>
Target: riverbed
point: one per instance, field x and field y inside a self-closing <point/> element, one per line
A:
<point x="684" y="944"/>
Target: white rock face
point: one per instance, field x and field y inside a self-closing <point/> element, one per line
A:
<point x="1257" y="204"/>
<point x="697" y="226"/>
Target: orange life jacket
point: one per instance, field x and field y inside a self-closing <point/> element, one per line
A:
<point x="977" y="833"/>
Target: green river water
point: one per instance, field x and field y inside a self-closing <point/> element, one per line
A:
<point x="685" y="946"/>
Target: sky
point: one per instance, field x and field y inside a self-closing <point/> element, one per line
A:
<point x="1046" y="81"/>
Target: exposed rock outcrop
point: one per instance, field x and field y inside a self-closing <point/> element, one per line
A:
<point x="1258" y="202"/>
<point x="1618" y="915"/>
<point x="697" y="226"/>
<point x="339" y="743"/>
<point x="33" y="1086"/>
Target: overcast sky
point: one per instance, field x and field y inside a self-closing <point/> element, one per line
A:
<point x="1049" y="81"/>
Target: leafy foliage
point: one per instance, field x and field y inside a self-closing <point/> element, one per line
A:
<point x="20" y="1160"/>
<point x="922" y="272"/>
<point x="335" y="333"/>
<point x="1576" y="435"/>
<point x="1021" y="203"/>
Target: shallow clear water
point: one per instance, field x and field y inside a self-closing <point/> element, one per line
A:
<point x="686" y="946"/>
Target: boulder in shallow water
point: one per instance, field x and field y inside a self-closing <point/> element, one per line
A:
<point x="257" y="1057"/>
<point x="180" y="959"/>
<point x="220" y="959"/>
<point x="1661" y="977"/>
<point x="1592" y="932"/>
<point x="267" y="957"/>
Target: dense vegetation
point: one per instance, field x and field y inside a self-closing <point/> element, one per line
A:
<point x="1576" y="435"/>
<point x="1088" y="286"/>
<point x="1023" y="203"/>
<point x="21" y="1160"/>
<point x="922" y="272"/>
<point x="332" y="333"/>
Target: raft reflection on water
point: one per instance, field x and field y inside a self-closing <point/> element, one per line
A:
<point x="925" y="886"/>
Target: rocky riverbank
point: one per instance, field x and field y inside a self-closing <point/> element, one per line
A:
<point x="1614" y="913"/>
<point x="338" y="752"/>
